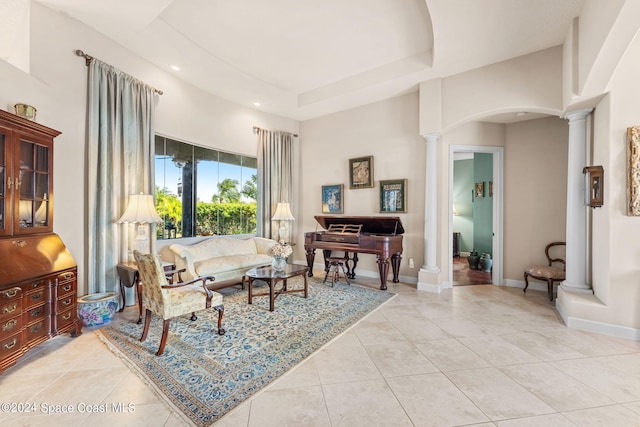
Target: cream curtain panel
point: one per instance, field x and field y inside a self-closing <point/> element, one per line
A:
<point x="120" y="162"/>
<point x="275" y="175"/>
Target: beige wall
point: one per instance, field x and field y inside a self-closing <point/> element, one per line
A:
<point x="386" y="130"/>
<point x="535" y="191"/>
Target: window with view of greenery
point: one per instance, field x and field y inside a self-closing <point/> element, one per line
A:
<point x="203" y="192"/>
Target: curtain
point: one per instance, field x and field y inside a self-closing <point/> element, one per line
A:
<point x="120" y="162"/>
<point x="275" y="175"/>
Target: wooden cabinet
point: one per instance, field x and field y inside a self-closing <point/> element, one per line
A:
<point x="26" y="176"/>
<point x="38" y="275"/>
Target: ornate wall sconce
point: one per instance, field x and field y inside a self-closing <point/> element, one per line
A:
<point x="594" y="180"/>
<point x="633" y="171"/>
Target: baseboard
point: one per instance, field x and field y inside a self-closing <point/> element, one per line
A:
<point x="609" y="329"/>
<point x="537" y="286"/>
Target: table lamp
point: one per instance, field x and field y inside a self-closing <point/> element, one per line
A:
<point x="141" y="210"/>
<point x="283" y="214"/>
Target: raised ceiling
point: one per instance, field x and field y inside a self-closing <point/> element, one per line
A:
<point x="305" y="58"/>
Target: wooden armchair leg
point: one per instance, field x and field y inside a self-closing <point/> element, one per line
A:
<point x="550" y="289"/>
<point x="220" y="310"/>
<point x="147" y="321"/>
<point x="163" y="340"/>
<point x="526" y="282"/>
<point x="193" y="317"/>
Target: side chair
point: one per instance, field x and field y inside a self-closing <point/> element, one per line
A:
<point x="169" y="300"/>
<point x="549" y="273"/>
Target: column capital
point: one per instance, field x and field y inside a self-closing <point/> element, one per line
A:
<point x="432" y="137"/>
<point x="578" y="114"/>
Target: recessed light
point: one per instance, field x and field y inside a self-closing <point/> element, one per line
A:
<point x="521" y="114"/>
<point x="257" y="104"/>
<point x="175" y="68"/>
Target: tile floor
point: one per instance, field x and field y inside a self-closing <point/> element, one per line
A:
<point x="473" y="355"/>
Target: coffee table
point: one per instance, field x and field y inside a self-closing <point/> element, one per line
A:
<point x="272" y="277"/>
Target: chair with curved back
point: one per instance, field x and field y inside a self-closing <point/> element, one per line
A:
<point x="547" y="273"/>
<point x="169" y="300"/>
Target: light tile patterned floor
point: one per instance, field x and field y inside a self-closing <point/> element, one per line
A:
<point x="473" y="355"/>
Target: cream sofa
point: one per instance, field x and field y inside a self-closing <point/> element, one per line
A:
<point x="225" y="258"/>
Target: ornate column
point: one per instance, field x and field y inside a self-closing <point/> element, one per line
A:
<point x="576" y="249"/>
<point x="431" y="204"/>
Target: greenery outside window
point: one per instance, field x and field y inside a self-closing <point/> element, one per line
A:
<point x="202" y="192"/>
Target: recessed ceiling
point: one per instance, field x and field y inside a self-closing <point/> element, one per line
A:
<point x="302" y="59"/>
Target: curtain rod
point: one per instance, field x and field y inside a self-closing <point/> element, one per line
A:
<point x="89" y="58"/>
<point x="256" y="129"/>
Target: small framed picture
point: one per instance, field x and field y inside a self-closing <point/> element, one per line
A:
<point x="393" y="195"/>
<point x="479" y="189"/>
<point x="332" y="199"/>
<point x="361" y="172"/>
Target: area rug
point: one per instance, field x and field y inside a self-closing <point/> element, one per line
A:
<point x="205" y="375"/>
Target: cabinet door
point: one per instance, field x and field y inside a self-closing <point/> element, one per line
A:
<point x="32" y="212"/>
<point x="5" y="203"/>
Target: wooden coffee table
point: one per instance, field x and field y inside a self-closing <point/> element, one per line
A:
<point x="272" y="277"/>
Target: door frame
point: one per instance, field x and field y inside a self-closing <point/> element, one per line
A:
<point x="498" y="207"/>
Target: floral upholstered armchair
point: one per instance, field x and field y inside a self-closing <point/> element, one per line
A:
<point x="172" y="300"/>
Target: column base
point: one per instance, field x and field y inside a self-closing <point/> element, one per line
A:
<point x="581" y="288"/>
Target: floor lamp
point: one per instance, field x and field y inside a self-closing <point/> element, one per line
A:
<point x="141" y="210"/>
<point x="283" y="214"/>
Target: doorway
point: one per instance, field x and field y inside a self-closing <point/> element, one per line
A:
<point x="475" y="220"/>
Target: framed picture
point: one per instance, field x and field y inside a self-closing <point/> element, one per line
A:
<point x="479" y="189"/>
<point x="393" y="195"/>
<point x="332" y="199"/>
<point x="361" y="172"/>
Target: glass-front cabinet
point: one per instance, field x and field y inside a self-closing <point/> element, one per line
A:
<point x="26" y="156"/>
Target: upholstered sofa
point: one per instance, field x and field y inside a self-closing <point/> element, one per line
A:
<point x="225" y="258"/>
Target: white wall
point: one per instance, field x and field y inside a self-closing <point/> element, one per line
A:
<point x="57" y="87"/>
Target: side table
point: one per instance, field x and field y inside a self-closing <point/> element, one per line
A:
<point x="129" y="277"/>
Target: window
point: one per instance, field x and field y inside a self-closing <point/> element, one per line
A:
<point x="203" y="192"/>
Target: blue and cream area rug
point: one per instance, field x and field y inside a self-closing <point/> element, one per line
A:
<point x="205" y="375"/>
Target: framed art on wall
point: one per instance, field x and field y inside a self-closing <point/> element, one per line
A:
<point x="332" y="199"/>
<point x="393" y="195"/>
<point x="361" y="172"/>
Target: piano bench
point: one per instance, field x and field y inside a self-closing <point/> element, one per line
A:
<point x="335" y="265"/>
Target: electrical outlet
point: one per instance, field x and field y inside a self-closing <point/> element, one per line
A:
<point x="411" y="264"/>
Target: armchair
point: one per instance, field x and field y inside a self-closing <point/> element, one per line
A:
<point x="548" y="273"/>
<point x="173" y="300"/>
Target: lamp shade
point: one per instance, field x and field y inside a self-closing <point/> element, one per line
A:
<point x="140" y="209"/>
<point x="283" y="213"/>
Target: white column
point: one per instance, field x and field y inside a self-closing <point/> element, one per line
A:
<point x="431" y="204"/>
<point x="576" y="249"/>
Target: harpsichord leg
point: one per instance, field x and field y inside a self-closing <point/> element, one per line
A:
<point x="383" y="266"/>
<point x="311" y="255"/>
<point x="395" y="266"/>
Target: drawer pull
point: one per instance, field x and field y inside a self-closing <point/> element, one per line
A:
<point x="10" y="308"/>
<point x="67" y="301"/>
<point x="36" y="297"/>
<point x="68" y="275"/>
<point x="66" y="316"/>
<point x="36" y="284"/>
<point x="36" y="312"/>
<point x="9" y="325"/>
<point x="36" y="327"/>
<point x="66" y="288"/>
<point x="10" y="345"/>
<point x="10" y="294"/>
